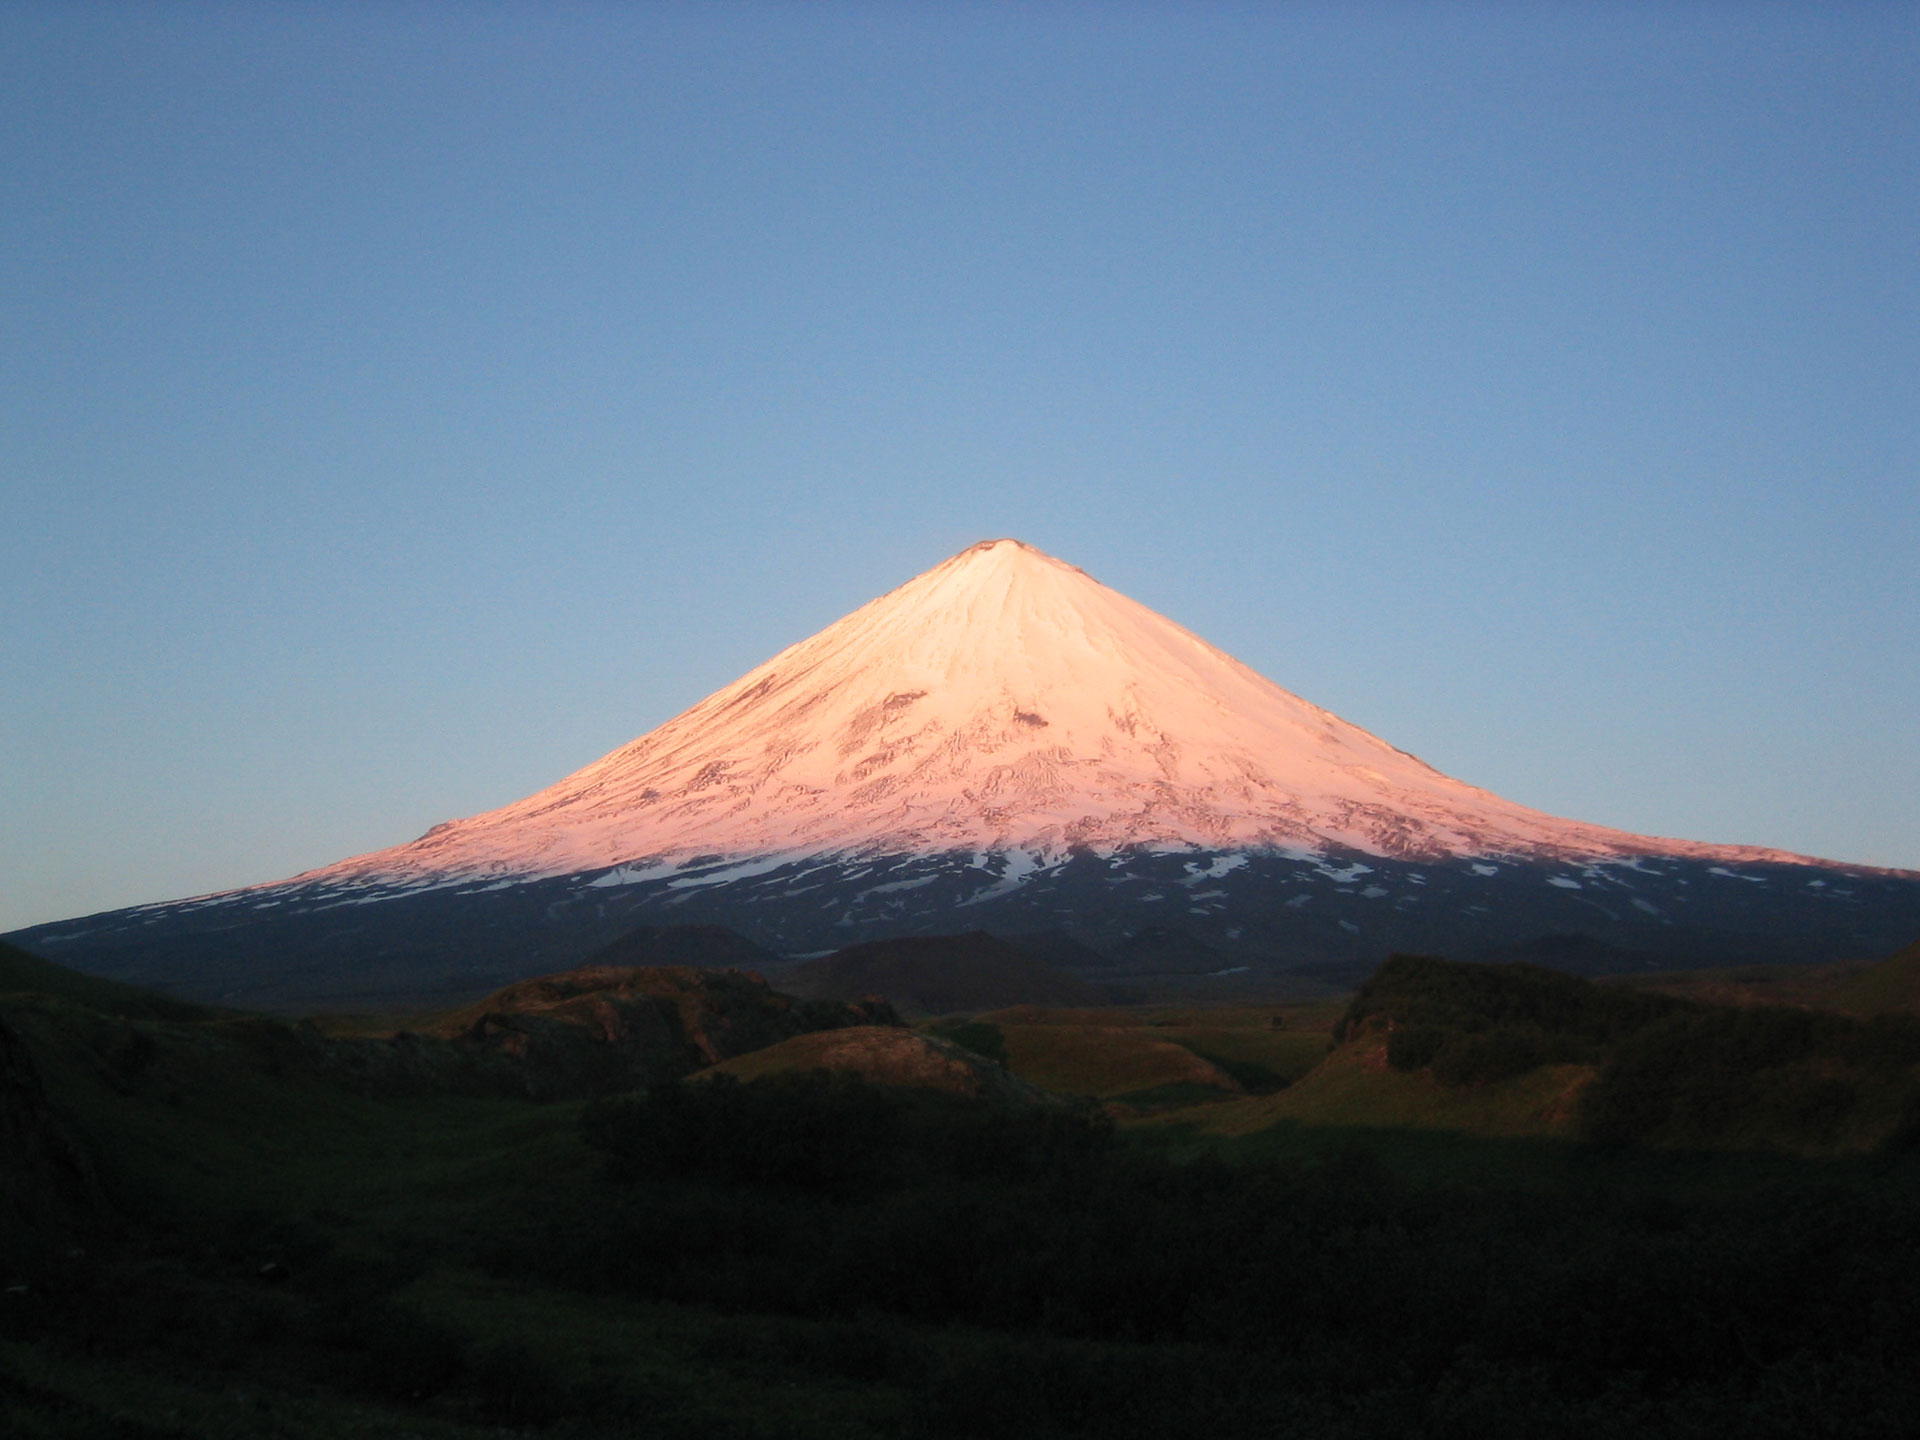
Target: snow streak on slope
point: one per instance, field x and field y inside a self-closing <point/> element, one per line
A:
<point x="1003" y="701"/>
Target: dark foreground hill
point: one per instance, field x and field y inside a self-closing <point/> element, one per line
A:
<point x="22" y="973"/>
<point x="1662" y="1069"/>
<point x="602" y="1028"/>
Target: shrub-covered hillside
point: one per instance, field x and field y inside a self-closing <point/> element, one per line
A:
<point x="1667" y="1070"/>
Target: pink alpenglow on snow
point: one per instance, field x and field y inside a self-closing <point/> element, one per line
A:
<point x="1003" y="701"/>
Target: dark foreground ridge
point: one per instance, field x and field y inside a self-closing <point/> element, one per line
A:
<point x="215" y="1226"/>
<point x="1666" y="1069"/>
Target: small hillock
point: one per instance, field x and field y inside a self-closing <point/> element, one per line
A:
<point x="22" y="973"/>
<point x="904" y="1059"/>
<point x="1478" y="1022"/>
<point x="1135" y="1065"/>
<point x="601" y="1028"/>
<point x="1665" y="1070"/>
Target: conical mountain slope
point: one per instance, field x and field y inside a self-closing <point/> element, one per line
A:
<point x="1002" y="743"/>
<point x="1003" y="700"/>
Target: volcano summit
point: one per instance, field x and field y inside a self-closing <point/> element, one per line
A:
<point x="1001" y="741"/>
<point x="1003" y="701"/>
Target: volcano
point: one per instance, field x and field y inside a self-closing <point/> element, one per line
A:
<point x="1004" y="701"/>
<point x="1001" y="740"/>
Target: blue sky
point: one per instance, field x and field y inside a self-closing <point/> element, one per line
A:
<point x="403" y="404"/>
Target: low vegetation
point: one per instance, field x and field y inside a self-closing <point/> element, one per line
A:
<point x="228" y="1236"/>
<point x="1664" y="1069"/>
<point x="1149" y="1059"/>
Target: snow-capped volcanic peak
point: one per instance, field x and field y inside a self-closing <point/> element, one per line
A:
<point x="1002" y="701"/>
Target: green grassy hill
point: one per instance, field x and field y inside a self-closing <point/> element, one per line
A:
<point x="1355" y="1087"/>
<point x="885" y="1056"/>
<point x="1147" y="1058"/>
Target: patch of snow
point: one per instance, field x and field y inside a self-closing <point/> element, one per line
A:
<point x="903" y="885"/>
<point x="1563" y="882"/>
<point x="1019" y="866"/>
<point x="1348" y="875"/>
<point x="633" y="875"/>
<point x="730" y="872"/>
<point x="1222" y="865"/>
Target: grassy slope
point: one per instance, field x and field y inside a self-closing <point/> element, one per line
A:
<point x="212" y="1122"/>
<point x="1113" y="1052"/>
<point x="1892" y="986"/>
<point x="1104" y="1061"/>
<point x="884" y="1055"/>
<point x="24" y="974"/>
<point x="209" y="1137"/>
<point x="1354" y="1087"/>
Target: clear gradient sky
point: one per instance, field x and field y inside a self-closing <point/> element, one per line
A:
<point x="401" y="405"/>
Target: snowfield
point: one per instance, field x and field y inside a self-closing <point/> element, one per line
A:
<point x="1007" y="704"/>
